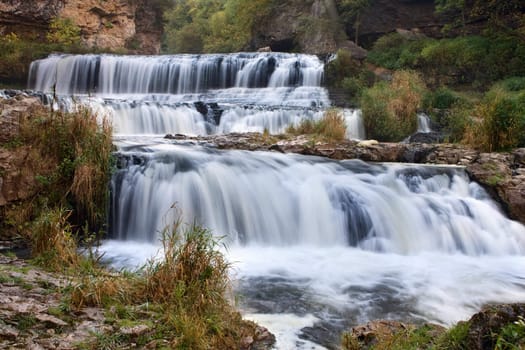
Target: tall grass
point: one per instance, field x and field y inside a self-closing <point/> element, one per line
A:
<point x="72" y="161"/>
<point x="332" y="127"/>
<point x="188" y="286"/>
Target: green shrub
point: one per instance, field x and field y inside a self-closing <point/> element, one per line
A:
<point x="467" y="59"/>
<point x="456" y="121"/>
<point x="442" y="98"/>
<point x="454" y="339"/>
<point x="343" y="66"/>
<point x="64" y="32"/>
<point x="390" y="109"/>
<point x="502" y="121"/>
<point x="514" y="84"/>
<point x="393" y="51"/>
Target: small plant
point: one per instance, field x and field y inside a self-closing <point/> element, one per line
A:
<point x="455" y="338"/>
<point x="512" y="336"/>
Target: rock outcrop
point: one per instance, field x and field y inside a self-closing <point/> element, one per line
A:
<point x="110" y="24"/>
<point x="385" y="16"/>
<point x="28" y="18"/>
<point x="306" y="26"/>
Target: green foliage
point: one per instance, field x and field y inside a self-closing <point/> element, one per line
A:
<point x="454" y="339"/>
<point x="514" y="84"/>
<point x="349" y="75"/>
<point x="512" y="336"/>
<point x="393" y="51"/>
<point x="503" y="120"/>
<point x="64" y="32"/>
<point x="390" y="109"/>
<point x="442" y="98"/>
<point x="468" y="59"/>
<point x="194" y="26"/>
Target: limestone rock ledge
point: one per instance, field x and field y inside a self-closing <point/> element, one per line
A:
<point x="109" y="24"/>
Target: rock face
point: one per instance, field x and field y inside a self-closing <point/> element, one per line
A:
<point x="385" y="16"/>
<point x="488" y="323"/>
<point x="307" y="26"/>
<point x="27" y="17"/>
<point x="109" y="24"/>
<point x="17" y="179"/>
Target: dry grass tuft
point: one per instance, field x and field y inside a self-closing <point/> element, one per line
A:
<point x="331" y="127"/>
<point x="52" y="243"/>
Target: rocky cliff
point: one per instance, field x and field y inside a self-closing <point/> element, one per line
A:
<point x="106" y="24"/>
<point x="314" y="26"/>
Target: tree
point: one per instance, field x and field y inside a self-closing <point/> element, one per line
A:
<point x="64" y="32"/>
<point x="354" y="9"/>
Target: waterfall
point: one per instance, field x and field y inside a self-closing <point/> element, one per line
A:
<point x="321" y="244"/>
<point x="177" y="74"/>
<point x="280" y="200"/>
<point x="355" y="129"/>
<point x="157" y="95"/>
<point x="423" y="122"/>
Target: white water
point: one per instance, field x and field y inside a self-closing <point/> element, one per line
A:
<point x="355" y="129"/>
<point x="155" y="95"/>
<point x="317" y="246"/>
<point x="338" y="243"/>
<point x="423" y="123"/>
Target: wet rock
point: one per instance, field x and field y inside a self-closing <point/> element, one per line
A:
<point x="487" y="324"/>
<point x="262" y="339"/>
<point x="426" y="137"/>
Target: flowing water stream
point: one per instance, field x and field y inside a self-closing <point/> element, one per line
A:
<point x="317" y="245"/>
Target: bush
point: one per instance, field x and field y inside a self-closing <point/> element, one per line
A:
<point x="393" y="51"/>
<point x="514" y="84"/>
<point x="502" y="120"/>
<point x="390" y="109"/>
<point x="442" y="98"/>
<point x="64" y="32"/>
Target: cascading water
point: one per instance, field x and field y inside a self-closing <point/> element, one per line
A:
<point x="171" y="94"/>
<point x="423" y="123"/>
<point x="317" y="245"/>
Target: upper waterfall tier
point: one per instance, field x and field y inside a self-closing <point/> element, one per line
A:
<point x="176" y="74"/>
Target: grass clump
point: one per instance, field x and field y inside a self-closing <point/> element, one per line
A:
<point x="69" y="157"/>
<point x="501" y="121"/>
<point x="390" y="108"/>
<point x="186" y="293"/>
<point x="52" y="244"/>
<point x="332" y="127"/>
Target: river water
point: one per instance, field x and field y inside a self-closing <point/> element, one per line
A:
<point x="316" y="245"/>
